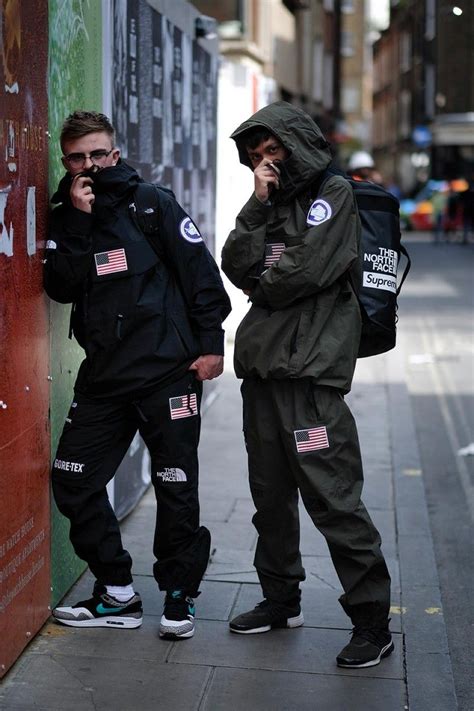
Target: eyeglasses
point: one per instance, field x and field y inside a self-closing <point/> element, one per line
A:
<point x="77" y="160"/>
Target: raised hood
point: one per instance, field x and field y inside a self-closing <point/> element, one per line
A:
<point x="309" y="152"/>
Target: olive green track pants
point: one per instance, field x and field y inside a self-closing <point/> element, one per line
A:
<point x="301" y="438"/>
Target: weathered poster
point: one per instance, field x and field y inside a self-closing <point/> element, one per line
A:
<point x="24" y="346"/>
<point x="164" y="106"/>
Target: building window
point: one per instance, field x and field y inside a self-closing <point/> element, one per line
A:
<point x="347" y="43"/>
<point x="350" y="96"/>
<point x="347" y="6"/>
<point x="405" y="114"/>
<point x="318" y="64"/>
<point x="328" y="81"/>
<point x="228" y="13"/>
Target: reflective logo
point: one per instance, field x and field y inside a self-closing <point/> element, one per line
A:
<point x="189" y="231"/>
<point x="51" y="244"/>
<point x="68" y="466"/>
<point x="172" y="474"/>
<point x="319" y="212"/>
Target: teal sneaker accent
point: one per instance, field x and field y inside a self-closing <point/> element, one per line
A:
<point x="106" y="610"/>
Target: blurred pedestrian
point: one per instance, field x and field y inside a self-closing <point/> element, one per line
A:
<point x="467" y="204"/>
<point x="296" y="351"/>
<point x="439" y="202"/>
<point x="148" y="311"/>
<point x="361" y="166"/>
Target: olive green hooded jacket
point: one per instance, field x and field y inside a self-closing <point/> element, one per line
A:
<point x="293" y="254"/>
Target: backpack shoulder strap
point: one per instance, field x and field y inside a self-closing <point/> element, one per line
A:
<point x="145" y="208"/>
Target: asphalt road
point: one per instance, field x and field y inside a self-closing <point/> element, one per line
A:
<point x="436" y="319"/>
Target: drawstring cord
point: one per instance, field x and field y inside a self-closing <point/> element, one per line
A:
<point x="190" y="386"/>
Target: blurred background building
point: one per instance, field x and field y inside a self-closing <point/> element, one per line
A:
<point x="423" y="109"/>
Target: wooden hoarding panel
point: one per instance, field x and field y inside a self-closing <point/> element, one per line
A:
<point x="24" y="343"/>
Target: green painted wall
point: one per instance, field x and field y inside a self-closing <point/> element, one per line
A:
<point x="75" y="82"/>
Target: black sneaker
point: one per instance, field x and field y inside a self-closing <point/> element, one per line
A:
<point x="177" y="621"/>
<point x="266" y="616"/>
<point x="366" y="648"/>
<point x="102" y="610"/>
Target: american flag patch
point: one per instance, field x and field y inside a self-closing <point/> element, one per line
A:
<point x="273" y="252"/>
<point x="111" y="262"/>
<point x="183" y="406"/>
<point x="314" y="438"/>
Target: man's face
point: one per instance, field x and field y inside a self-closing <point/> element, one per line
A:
<point x="270" y="150"/>
<point x="93" y="149"/>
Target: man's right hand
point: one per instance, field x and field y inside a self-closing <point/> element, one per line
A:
<point x="266" y="176"/>
<point x="81" y="193"/>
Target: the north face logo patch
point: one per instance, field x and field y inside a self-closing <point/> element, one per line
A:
<point x="172" y="474"/>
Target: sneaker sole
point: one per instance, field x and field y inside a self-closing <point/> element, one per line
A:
<point x="290" y="624"/>
<point x="384" y="652"/>
<point x="176" y="635"/>
<point x="116" y="622"/>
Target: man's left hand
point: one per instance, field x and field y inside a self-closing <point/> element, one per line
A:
<point x="208" y="366"/>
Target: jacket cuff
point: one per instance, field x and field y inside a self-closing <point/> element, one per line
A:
<point x="257" y="297"/>
<point x="212" y="342"/>
<point x="255" y="212"/>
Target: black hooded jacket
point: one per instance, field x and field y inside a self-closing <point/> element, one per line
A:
<point x="141" y="319"/>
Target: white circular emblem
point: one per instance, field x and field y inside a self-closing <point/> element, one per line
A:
<point x="189" y="231"/>
<point x="319" y="212"/>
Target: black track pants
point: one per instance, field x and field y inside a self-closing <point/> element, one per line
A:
<point x="301" y="437"/>
<point x="95" y="438"/>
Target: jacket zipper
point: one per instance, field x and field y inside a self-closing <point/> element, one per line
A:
<point x="118" y="328"/>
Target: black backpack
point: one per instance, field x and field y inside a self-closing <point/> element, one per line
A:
<point x="374" y="276"/>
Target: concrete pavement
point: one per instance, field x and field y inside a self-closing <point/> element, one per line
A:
<point x="70" y="669"/>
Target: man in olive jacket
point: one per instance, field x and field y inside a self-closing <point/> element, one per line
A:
<point x="296" y="351"/>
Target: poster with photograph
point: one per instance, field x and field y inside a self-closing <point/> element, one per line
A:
<point x="164" y="107"/>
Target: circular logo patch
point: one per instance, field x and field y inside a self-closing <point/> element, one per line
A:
<point x="319" y="212"/>
<point x="189" y="231"/>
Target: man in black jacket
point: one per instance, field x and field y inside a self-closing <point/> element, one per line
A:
<point x="148" y="311"/>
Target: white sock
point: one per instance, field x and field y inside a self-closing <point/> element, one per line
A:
<point x="122" y="593"/>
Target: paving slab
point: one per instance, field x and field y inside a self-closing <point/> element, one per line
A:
<point x="62" y="682"/>
<point x="304" y="649"/>
<point x="259" y="690"/>
<point x="94" y="643"/>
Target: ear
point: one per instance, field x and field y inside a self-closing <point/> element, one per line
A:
<point x="115" y="156"/>
<point x="65" y="165"/>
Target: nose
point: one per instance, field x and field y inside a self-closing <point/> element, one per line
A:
<point x="88" y="162"/>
